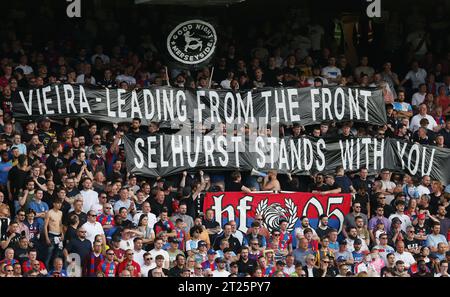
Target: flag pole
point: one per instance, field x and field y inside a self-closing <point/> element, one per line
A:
<point x="210" y="78"/>
<point x="167" y="76"/>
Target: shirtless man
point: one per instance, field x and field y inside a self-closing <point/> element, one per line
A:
<point x="270" y="182"/>
<point x="53" y="231"/>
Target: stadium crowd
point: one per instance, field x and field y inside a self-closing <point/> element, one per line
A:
<point x="68" y="206"/>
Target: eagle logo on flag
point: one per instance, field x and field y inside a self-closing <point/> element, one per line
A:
<point x="273" y="213"/>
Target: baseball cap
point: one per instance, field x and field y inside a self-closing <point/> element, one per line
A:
<point x="174" y="239"/>
<point x="341" y="259"/>
<point x="433" y="256"/>
<point x="421" y="216"/>
<point x="280" y="263"/>
<point x="226" y="250"/>
<point x="220" y="260"/>
<point x="211" y="252"/>
<point x="202" y="243"/>
<point x="396" y="220"/>
<point x="342" y="242"/>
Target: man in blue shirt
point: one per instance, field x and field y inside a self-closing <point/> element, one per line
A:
<point x="5" y="166"/>
<point x="39" y="206"/>
<point x="435" y="238"/>
<point x="302" y="251"/>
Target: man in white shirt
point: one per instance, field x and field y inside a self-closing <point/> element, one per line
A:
<point x="364" y="68"/>
<point x="138" y="251"/>
<point x="331" y="72"/>
<point x="146" y="209"/>
<point x="304" y="224"/>
<point x="220" y="271"/>
<point x="235" y="232"/>
<point x="27" y="70"/>
<point x="401" y="254"/>
<point x="90" y="197"/>
<point x="406" y="221"/>
<point x="99" y="53"/>
<point x="127" y="77"/>
<point x="159" y="251"/>
<point x="87" y="72"/>
<point x="387" y="186"/>
<point x="416" y="75"/>
<point x="415" y="121"/>
<point x="352" y="236"/>
<point x="147" y="265"/>
<point x="423" y="188"/>
<point x="290" y="265"/>
<point x="419" y="96"/>
<point x="93" y="228"/>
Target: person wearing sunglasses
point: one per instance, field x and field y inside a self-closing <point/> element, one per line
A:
<point x="198" y="271"/>
<point x="79" y="245"/>
<point x="108" y="266"/>
<point x="9" y="271"/>
<point x="35" y="270"/>
<point x="129" y="254"/>
<point x="147" y="265"/>
<point x="256" y="235"/>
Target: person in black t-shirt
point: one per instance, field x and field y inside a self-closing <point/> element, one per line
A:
<point x="211" y="225"/>
<point x="330" y="186"/>
<point x="362" y="197"/>
<point x="236" y="185"/>
<point x="363" y="180"/>
<point x="412" y="245"/>
<point x="245" y="265"/>
<point x="318" y="183"/>
<point x="423" y="270"/>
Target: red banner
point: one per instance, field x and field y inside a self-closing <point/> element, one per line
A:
<point x="242" y="207"/>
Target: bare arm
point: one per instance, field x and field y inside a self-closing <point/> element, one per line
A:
<point x="23" y="198"/>
<point x="42" y="187"/>
<point x="47" y="239"/>
<point x="334" y="191"/>
<point x="183" y="179"/>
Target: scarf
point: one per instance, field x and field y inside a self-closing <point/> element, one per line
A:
<point x="93" y="258"/>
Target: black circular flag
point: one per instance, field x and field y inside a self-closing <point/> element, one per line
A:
<point x="192" y="42"/>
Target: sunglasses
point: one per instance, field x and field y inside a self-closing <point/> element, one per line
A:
<point x="110" y="254"/>
<point x="9" y="270"/>
<point x="148" y="259"/>
<point x="276" y="234"/>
